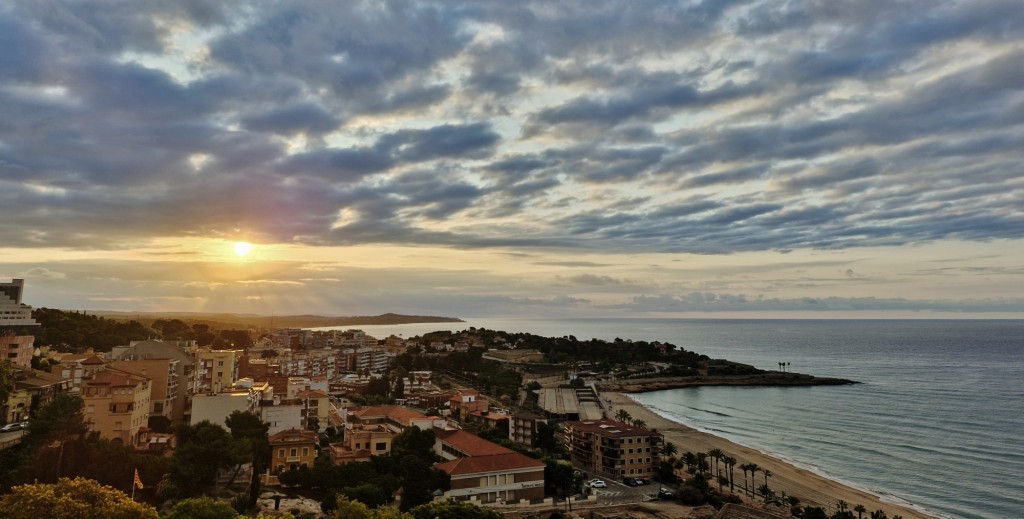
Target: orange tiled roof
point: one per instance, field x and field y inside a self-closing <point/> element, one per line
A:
<point x="311" y="393"/>
<point x="493" y="463"/>
<point x="470" y="443"/>
<point x="400" y="414"/>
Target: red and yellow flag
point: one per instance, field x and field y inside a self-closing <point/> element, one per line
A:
<point x="138" y="482"/>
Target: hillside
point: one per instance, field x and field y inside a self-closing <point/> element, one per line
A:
<point x="225" y="320"/>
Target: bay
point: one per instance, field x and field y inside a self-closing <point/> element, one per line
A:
<point x="937" y="421"/>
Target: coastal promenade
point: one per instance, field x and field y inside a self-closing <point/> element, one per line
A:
<point x="811" y="488"/>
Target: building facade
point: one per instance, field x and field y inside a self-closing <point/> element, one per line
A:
<point x="613" y="449"/>
<point x="116" y="404"/>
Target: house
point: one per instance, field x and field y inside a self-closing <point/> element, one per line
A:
<point x="466" y="401"/>
<point x="485" y="472"/>
<point x="292" y="450"/>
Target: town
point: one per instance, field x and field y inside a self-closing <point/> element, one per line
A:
<point x="303" y="423"/>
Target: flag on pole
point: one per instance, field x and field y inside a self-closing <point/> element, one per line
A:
<point x="138" y="482"/>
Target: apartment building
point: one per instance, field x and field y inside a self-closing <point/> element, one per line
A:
<point x="613" y="449"/>
<point x="216" y="369"/>
<point x="177" y="353"/>
<point x="117" y="404"/>
<point x="163" y="373"/>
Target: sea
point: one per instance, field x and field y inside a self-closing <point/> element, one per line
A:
<point x="937" y="421"/>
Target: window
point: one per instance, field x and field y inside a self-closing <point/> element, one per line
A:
<point x="295" y="451"/>
<point x="381" y="446"/>
<point x="305" y="451"/>
<point x="280" y="453"/>
<point x="220" y="363"/>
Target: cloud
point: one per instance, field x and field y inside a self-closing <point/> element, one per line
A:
<point x="644" y="126"/>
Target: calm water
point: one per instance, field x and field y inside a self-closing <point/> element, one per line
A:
<point x="937" y="422"/>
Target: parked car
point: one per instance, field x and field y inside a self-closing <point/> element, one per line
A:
<point x="633" y="482"/>
<point x="16" y="426"/>
<point x="666" y="493"/>
<point x="597" y="483"/>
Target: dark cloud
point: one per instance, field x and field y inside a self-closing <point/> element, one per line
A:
<point x="292" y="119"/>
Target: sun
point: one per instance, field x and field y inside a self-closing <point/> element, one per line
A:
<point x="242" y="248"/>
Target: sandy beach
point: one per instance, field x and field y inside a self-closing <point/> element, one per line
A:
<point x="809" y="487"/>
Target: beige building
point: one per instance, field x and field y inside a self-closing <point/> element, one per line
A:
<point x="32" y="390"/>
<point x="169" y="350"/>
<point x="117" y="404"/>
<point x="292" y="450"/>
<point x="216" y="369"/>
<point x="613" y="449"/>
<point x="166" y="388"/>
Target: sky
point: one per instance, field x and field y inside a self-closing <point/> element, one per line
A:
<point x="531" y="158"/>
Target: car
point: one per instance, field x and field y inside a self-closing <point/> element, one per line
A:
<point x="644" y="481"/>
<point x="633" y="482"/>
<point x="16" y="426"/>
<point x="597" y="483"/>
<point x="666" y="493"/>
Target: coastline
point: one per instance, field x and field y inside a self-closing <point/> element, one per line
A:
<point x="812" y="489"/>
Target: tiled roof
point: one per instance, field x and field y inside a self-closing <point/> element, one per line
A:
<point x="398" y="413"/>
<point x="470" y="443"/>
<point x="493" y="463"/>
<point x="93" y="361"/>
<point x="283" y="436"/>
<point x="312" y="393"/>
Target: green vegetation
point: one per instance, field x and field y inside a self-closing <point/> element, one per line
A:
<point x="78" y="498"/>
<point x="76" y="331"/>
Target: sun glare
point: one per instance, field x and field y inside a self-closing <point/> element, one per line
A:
<point x="242" y="248"/>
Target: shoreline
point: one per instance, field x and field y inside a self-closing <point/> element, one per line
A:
<point x="812" y="488"/>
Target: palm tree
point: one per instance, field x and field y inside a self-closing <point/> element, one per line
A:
<point x="754" y="469"/>
<point x="702" y="461"/>
<point x="841" y="505"/>
<point x="637" y="422"/>
<point x="860" y="510"/>
<point x="730" y="465"/>
<point x="689" y="459"/>
<point x="745" y="468"/>
<point x="669" y="450"/>
<point x="767" y="474"/>
<point x="717" y="454"/>
<point x="622" y="415"/>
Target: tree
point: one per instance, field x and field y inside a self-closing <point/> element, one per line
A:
<point x="159" y="423"/>
<point x="369" y="494"/>
<point x="78" y="498"/>
<point x="452" y="509"/>
<point x="730" y="466"/>
<point x="670" y="450"/>
<point x="203" y="450"/>
<point x="58" y="422"/>
<point x="399" y="388"/>
<point x="717" y="454"/>
<point x="202" y="508"/>
<point x="248" y="427"/>
<point x="637" y="422"/>
<point x="414" y="441"/>
<point x="6" y="380"/>
<point x="860" y="510"/>
<point x="623" y="415"/>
